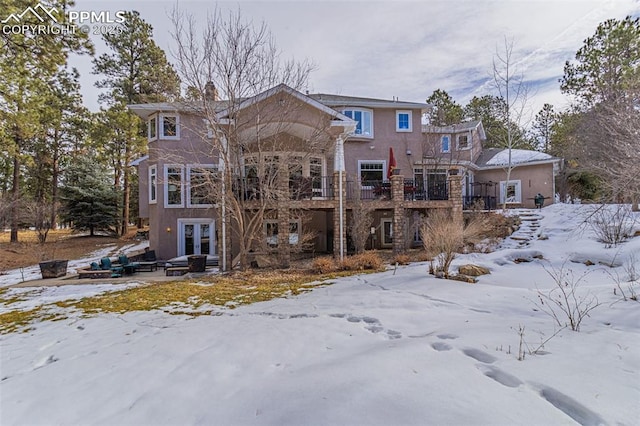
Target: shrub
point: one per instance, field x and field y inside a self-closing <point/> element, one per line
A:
<point x="612" y="224"/>
<point x="360" y="262"/>
<point x="324" y="265"/>
<point x="401" y="259"/>
<point x="443" y="237"/>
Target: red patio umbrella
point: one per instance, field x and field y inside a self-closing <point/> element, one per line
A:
<point x="392" y="164"/>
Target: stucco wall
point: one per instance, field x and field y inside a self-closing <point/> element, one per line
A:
<point x="534" y="179"/>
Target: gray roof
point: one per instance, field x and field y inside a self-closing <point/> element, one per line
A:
<point x="344" y="101"/>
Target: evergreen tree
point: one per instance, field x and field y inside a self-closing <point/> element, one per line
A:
<point x="27" y="62"/>
<point x="542" y="127"/>
<point x="445" y="110"/>
<point x="88" y="201"/>
<point x="604" y="62"/>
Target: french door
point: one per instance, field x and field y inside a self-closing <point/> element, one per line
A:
<point x="196" y="236"/>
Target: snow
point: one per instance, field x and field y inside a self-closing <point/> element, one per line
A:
<point x="391" y="348"/>
<point x="518" y="156"/>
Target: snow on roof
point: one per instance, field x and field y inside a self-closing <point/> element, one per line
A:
<point x="518" y="156"/>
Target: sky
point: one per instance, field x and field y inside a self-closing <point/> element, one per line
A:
<point x="403" y="48"/>
<point x="399" y="347"/>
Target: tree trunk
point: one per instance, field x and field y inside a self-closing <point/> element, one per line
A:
<point x="126" y="194"/>
<point x="55" y="172"/>
<point x="15" y="195"/>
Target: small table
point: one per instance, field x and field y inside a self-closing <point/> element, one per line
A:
<point x="147" y="266"/>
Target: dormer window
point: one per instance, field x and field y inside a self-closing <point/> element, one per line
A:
<point x="169" y="126"/>
<point x="463" y="142"/>
<point x="364" y="120"/>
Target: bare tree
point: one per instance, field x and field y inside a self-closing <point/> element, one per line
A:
<point x="258" y="142"/>
<point x="510" y="85"/>
<point x="361" y="220"/>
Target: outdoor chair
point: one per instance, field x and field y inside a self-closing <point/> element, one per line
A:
<point x="105" y="264"/>
<point x="128" y="266"/>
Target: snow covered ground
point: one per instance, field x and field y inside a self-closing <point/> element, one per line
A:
<point x="382" y="349"/>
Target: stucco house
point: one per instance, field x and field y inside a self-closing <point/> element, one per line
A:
<point x="297" y="161"/>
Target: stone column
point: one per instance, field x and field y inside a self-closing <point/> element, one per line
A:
<point x="455" y="195"/>
<point x="397" y="195"/>
<point x="283" y="213"/>
<point x="336" y="213"/>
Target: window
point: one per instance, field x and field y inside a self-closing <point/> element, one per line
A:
<point x="446" y="143"/>
<point x="153" y="184"/>
<point x="387" y="231"/>
<point x="511" y="192"/>
<point x="201" y="180"/>
<point x="371" y="171"/>
<point x="271" y="232"/>
<point x="315" y="173"/>
<point x="364" y="119"/>
<point x="152" y="128"/>
<point x="403" y="121"/>
<point x="169" y="126"/>
<point x="463" y="142"/>
<point x="173" y="194"/>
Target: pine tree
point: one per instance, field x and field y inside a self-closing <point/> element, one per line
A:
<point x="445" y="110"/>
<point x="88" y="201"/>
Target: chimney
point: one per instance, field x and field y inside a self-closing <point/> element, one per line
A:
<point x="210" y="91"/>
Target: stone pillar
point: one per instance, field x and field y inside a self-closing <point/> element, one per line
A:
<point x="336" y="213"/>
<point x="455" y="195"/>
<point x="397" y="195"/>
<point x="283" y="214"/>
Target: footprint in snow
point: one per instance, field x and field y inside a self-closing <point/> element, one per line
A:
<point x="479" y="355"/>
<point x="45" y="361"/>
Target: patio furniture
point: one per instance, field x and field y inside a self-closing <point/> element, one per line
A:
<point x="105" y="264"/>
<point x="128" y="266"/>
<point x="147" y="266"/>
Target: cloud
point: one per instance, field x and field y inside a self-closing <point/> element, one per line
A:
<point x="411" y="48"/>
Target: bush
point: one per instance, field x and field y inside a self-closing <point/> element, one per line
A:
<point x="442" y="238"/>
<point x="361" y="262"/>
<point x="401" y="259"/>
<point x="612" y="224"/>
<point x="324" y="265"/>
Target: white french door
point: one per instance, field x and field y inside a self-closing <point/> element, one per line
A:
<point x="196" y="236"/>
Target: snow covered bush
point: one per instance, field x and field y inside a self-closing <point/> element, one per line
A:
<point x="612" y="224"/>
<point x="566" y="303"/>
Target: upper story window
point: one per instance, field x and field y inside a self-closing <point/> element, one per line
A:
<point x="445" y="143"/>
<point x="403" y="121"/>
<point x="169" y="126"/>
<point x="174" y="180"/>
<point x="153" y="184"/>
<point x="152" y="128"/>
<point x="463" y="142"/>
<point x="364" y="120"/>
<point x="201" y="181"/>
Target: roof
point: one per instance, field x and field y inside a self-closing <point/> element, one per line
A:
<point x="344" y="101"/>
<point x="498" y="157"/>
<point x="145" y="110"/>
<point x="456" y="128"/>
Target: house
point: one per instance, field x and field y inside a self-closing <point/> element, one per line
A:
<point x="282" y="172"/>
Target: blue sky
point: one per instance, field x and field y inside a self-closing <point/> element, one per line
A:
<point x="405" y="48"/>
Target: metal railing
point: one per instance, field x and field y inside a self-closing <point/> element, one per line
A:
<point x="479" y="202"/>
<point x="381" y="190"/>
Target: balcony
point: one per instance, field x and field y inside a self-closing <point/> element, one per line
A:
<point x="412" y="190"/>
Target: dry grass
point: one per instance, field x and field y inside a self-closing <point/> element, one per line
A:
<point x="188" y="297"/>
<point x="61" y="244"/>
